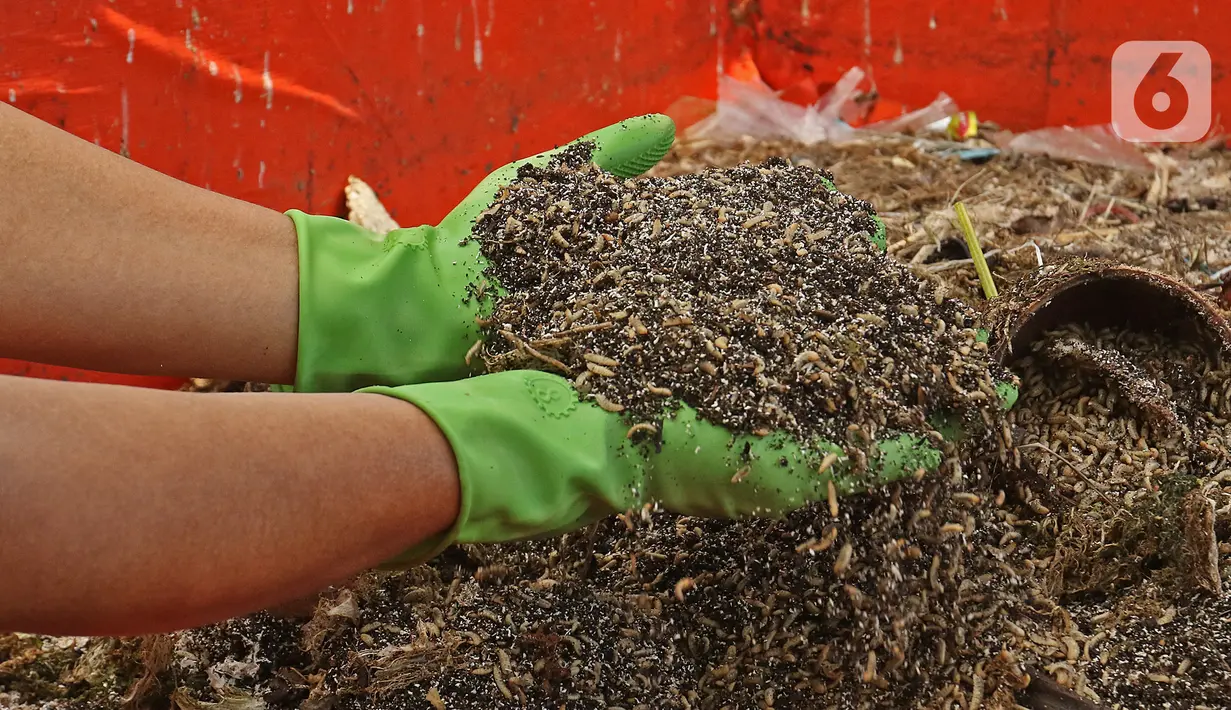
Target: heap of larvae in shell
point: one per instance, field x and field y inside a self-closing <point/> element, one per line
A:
<point x="756" y="295"/>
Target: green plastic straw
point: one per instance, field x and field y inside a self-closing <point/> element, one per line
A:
<point x="976" y="251"/>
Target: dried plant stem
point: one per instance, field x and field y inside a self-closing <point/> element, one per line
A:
<point x="1079" y="468"/>
<point x="525" y="347"/>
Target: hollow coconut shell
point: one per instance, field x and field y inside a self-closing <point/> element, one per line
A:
<point x="1100" y="293"/>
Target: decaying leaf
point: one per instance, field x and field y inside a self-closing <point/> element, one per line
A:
<point x="231" y="700"/>
<point x="396" y="667"/>
<point x="1201" y="544"/>
<point x="344" y="606"/>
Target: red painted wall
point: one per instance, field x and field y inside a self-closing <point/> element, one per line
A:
<point x="1021" y="63"/>
<point x="278" y="101"/>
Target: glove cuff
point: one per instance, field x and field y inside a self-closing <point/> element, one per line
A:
<point x="380" y="311"/>
<point x="532" y="458"/>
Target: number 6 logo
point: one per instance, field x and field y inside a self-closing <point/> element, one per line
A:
<point x="1160" y="92"/>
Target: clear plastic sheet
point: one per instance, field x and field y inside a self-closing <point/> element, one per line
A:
<point x="1090" y="144"/>
<point x="918" y="120"/>
<point x="751" y="108"/>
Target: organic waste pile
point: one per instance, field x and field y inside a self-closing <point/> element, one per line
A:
<point x="1070" y="557"/>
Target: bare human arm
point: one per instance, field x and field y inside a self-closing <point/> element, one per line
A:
<point x="127" y="511"/>
<point x="109" y="265"/>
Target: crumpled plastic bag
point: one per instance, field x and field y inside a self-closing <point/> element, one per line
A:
<point x="751" y="108"/>
<point x="916" y="121"/>
<point x="1089" y="144"/>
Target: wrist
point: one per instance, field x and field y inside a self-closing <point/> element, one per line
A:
<point x="335" y="258"/>
<point x="380" y="311"/>
<point x="532" y="459"/>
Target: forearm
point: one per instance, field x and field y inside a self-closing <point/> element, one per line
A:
<point x="128" y="511"/>
<point x="109" y="265"/>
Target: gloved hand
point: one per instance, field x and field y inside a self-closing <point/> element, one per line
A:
<point x="535" y="460"/>
<point x="402" y="309"/>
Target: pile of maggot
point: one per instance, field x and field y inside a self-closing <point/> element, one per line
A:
<point x="1129" y="434"/>
<point x="887" y="601"/>
<point x="757" y="295"/>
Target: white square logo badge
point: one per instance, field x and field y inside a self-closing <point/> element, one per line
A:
<point x="1161" y="92"/>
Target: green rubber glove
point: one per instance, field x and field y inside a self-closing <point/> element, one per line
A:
<point x="534" y="460"/>
<point x="402" y="309"/>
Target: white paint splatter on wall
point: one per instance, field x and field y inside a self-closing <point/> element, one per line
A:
<point x="12" y="96"/>
<point x="867" y="28"/>
<point x="239" y="83"/>
<point x="260" y="175"/>
<point x="932" y="22"/>
<point x="124" y="121"/>
<point x="478" y="39"/>
<point x="267" y="81"/>
<point x="132" y="44"/>
<point x="213" y="68"/>
<point x="898" y="57"/>
<point x="616" y="53"/>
